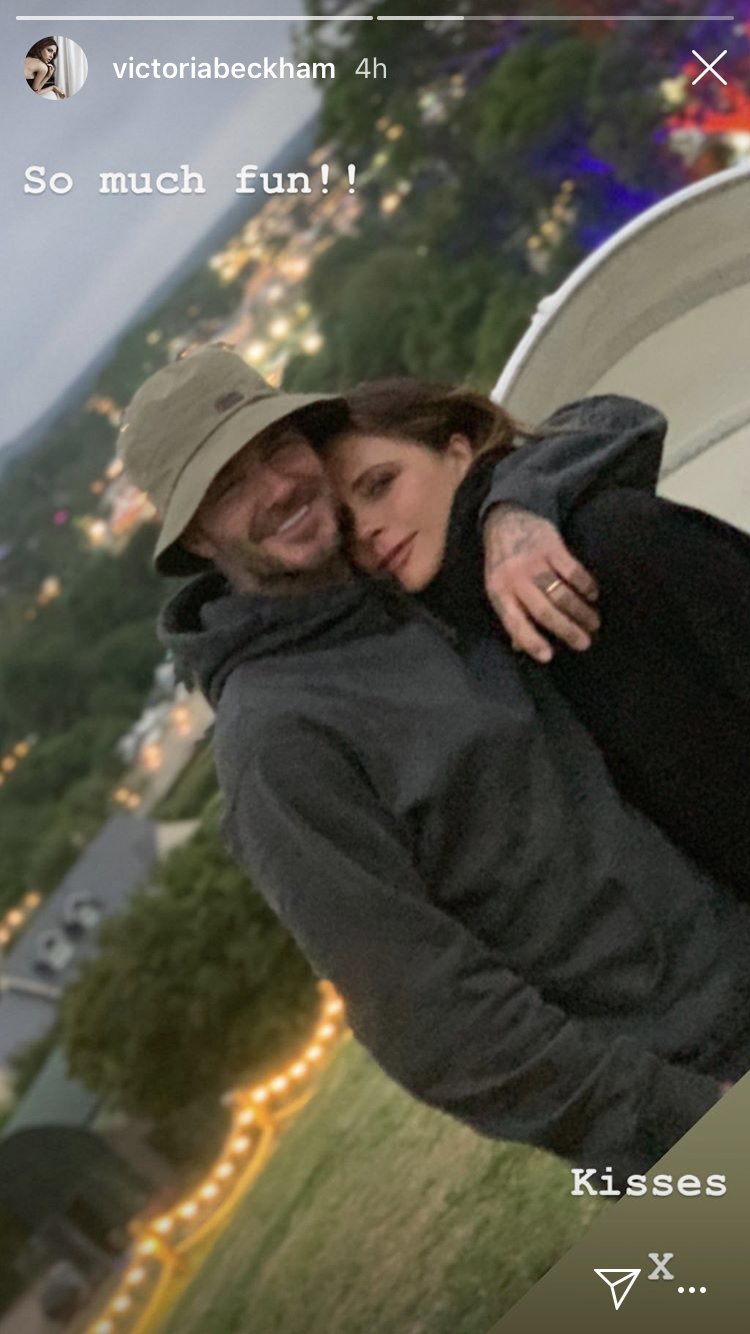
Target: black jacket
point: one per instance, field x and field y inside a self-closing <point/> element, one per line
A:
<point x="603" y="442"/>
<point x="513" y="945"/>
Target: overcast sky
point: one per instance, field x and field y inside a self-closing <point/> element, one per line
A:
<point x="77" y="266"/>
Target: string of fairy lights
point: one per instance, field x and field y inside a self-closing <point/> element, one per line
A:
<point x="553" y="224"/>
<point x="126" y="797"/>
<point x="162" y="1242"/>
<point x="11" y="760"/>
<point x="14" y="919"/>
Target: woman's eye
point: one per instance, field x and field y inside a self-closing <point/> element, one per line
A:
<point x="378" y="486"/>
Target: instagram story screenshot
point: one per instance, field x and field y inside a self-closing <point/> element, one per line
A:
<point x="374" y="667"/>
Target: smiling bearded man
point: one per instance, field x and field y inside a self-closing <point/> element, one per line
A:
<point x="230" y="466"/>
<point x="267" y="521"/>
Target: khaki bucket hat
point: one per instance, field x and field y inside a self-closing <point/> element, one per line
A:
<point x="188" y="420"/>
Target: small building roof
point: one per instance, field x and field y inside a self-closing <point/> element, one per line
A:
<point x="54" y="1098"/>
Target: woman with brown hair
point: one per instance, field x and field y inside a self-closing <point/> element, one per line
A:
<point x="39" y="68"/>
<point x="647" y="603"/>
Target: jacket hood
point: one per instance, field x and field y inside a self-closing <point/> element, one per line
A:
<point x="211" y="629"/>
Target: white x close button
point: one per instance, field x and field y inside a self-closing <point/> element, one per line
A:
<point x="709" y="68"/>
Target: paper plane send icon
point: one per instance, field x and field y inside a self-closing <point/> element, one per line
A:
<point x="620" y="1282"/>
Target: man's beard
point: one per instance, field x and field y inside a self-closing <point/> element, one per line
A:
<point x="250" y="569"/>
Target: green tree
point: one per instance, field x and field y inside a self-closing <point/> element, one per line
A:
<point x="56" y="762"/>
<point x="19" y="834"/>
<point x="126" y="659"/>
<point x="44" y="682"/>
<point x="195" y="988"/>
<point x="107" y="595"/>
<point x="531" y="95"/>
<point x="502" y="323"/>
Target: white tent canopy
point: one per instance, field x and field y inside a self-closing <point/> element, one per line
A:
<point x="661" y="312"/>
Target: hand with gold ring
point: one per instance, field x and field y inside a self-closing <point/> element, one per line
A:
<point x="535" y="583"/>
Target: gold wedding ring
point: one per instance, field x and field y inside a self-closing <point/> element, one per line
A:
<point x="556" y="583"/>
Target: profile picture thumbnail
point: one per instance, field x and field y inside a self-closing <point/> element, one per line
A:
<point x="55" y="68"/>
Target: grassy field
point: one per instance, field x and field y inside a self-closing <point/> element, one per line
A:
<point x="378" y="1215"/>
